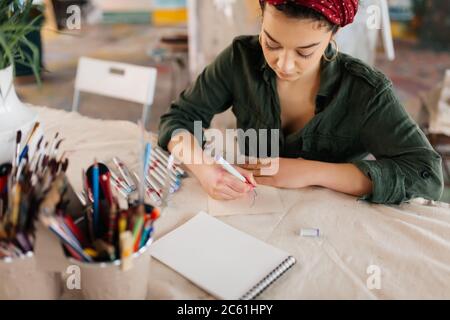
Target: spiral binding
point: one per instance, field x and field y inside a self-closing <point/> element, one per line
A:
<point x="269" y="279"/>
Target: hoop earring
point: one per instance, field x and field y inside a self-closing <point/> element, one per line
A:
<point x="260" y="39"/>
<point x="335" y="53"/>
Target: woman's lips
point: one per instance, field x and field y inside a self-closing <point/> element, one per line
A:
<point x="285" y="75"/>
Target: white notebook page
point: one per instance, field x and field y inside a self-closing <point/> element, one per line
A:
<point x="267" y="200"/>
<point x="222" y="260"/>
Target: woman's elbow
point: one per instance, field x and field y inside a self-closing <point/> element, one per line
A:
<point x="432" y="179"/>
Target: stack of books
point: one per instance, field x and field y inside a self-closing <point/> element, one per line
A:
<point x="125" y="11"/>
<point x="157" y="12"/>
<point x="170" y="12"/>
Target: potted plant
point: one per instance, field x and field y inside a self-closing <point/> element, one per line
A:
<point x="15" y="48"/>
<point x="25" y="73"/>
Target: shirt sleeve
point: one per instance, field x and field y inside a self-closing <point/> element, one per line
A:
<point x="406" y="165"/>
<point x="209" y="95"/>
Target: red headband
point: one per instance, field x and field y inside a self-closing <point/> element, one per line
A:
<point x="340" y="12"/>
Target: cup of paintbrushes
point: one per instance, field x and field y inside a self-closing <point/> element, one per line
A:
<point x="114" y="259"/>
<point x="118" y="270"/>
<point x="20" y="277"/>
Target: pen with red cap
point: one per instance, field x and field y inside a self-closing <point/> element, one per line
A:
<point x="230" y="169"/>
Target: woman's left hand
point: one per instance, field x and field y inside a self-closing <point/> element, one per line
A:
<point x="284" y="173"/>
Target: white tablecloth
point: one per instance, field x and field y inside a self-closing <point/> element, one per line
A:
<point x="409" y="244"/>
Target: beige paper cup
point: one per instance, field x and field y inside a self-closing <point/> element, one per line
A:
<point x="20" y="279"/>
<point x="106" y="281"/>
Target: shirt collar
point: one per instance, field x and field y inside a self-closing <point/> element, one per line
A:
<point x="329" y="73"/>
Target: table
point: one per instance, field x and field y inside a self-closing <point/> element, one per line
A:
<point x="408" y="246"/>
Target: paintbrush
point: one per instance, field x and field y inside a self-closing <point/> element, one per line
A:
<point x="16" y="152"/>
<point x="27" y="142"/>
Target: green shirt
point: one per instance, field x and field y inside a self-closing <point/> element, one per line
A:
<point x="357" y="113"/>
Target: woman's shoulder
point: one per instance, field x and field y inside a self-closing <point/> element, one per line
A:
<point x="363" y="73"/>
<point x="369" y="88"/>
<point x="245" y="54"/>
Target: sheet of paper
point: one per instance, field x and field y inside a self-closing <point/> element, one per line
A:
<point x="267" y="201"/>
<point x="222" y="260"/>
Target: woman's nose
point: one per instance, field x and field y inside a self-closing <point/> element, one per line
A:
<point x="286" y="63"/>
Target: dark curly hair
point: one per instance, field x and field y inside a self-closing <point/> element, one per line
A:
<point x="293" y="10"/>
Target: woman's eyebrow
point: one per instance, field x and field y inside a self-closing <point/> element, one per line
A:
<point x="302" y="47"/>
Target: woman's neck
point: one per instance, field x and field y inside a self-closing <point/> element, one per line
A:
<point x="308" y="83"/>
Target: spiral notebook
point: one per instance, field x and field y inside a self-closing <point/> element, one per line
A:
<point x="221" y="260"/>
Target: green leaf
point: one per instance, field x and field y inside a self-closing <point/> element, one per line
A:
<point x="16" y="23"/>
<point x="8" y="59"/>
<point x="31" y="62"/>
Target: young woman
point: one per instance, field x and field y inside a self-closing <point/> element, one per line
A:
<point x="332" y="110"/>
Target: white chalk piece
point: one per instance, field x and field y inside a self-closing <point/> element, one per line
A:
<point x="312" y="233"/>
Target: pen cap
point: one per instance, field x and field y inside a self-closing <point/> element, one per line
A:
<point x="5" y="170"/>
<point x="155" y="214"/>
<point x="103" y="170"/>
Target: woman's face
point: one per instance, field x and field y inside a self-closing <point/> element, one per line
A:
<point x="292" y="47"/>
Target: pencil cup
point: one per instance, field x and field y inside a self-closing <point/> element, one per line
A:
<point x="107" y="281"/>
<point x="20" y="279"/>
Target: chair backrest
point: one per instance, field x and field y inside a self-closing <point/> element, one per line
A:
<point x="388" y="41"/>
<point x="116" y="80"/>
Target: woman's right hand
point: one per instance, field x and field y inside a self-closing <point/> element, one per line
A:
<point x="221" y="185"/>
<point x="215" y="180"/>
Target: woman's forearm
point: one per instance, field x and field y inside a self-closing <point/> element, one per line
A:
<point x="217" y="182"/>
<point x="293" y="173"/>
<point x="186" y="149"/>
<point x="300" y="173"/>
<point x="345" y="178"/>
